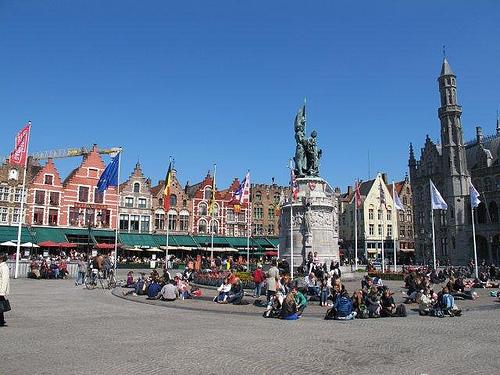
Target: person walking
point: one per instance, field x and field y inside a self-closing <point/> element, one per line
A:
<point x="272" y="279"/>
<point x="4" y="286"/>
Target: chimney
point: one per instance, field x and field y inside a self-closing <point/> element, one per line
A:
<point x="349" y="190"/>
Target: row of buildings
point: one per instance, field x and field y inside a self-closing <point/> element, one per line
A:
<point x="74" y="202"/>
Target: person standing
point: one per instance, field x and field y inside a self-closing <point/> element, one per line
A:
<point x="4" y="285"/>
<point x="258" y="279"/>
<point x="273" y="276"/>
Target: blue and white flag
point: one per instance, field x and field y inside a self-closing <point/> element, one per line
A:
<point x="397" y="201"/>
<point x="474" y="196"/>
<point x="437" y="200"/>
<point x="110" y="175"/>
<point x="242" y="194"/>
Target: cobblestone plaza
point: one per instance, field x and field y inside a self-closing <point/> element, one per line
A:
<point x="57" y="328"/>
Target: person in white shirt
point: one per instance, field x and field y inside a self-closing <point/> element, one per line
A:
<point x="4" y="284"/>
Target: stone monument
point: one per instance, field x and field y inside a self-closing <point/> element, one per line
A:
<point x="311" y="213"/>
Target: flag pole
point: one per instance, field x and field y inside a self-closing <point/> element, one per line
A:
<point x="212" y="215"/>
<point x="433" y="233"/>
<point x="249" y="222"/>
<point x="117" y="209"/>
<point x="474" y="241"/>
<point x="21" y="214"/>
<point x="291" y="225"/>
<point x="394" y="229"/>
<point x="355" y="227"/>
<point x="166" y="214"/>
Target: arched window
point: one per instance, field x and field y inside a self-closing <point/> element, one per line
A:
<point x="493" y="208"/>
<point x="202" y="226"/>
<point x="160" y="202"/>
<point x="202" y="209"/>
<point x="258" y="196"/>
<point x="172" y="220"/>
<point x="137" y="187"/>
<point x="184" y="221"/>
<point x="214" y="226"/>
<point x="173" y="200"/>
<point x="208" y="192"/>
<point x="481" y="213"/>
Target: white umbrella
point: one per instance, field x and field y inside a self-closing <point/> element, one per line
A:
<point x="154" y="250"/>
<point x="8" y="244"/>
<point x="29" y="245"/>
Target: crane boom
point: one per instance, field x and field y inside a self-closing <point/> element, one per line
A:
<point x="68" y="153"/>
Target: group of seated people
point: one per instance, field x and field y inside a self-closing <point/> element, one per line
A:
<point x="230" y="291"/>
<point x="47" y="268"/>
<point x="288" y="303"/>
<point x="163" y="287"/>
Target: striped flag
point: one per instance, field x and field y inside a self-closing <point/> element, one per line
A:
<point x="20" y="153"/>
<point x="474" y="196"/>
<point x="397" y="201"/>
<point x="242" y="194"/>
<point x="357" y="194"/>
<point x="294" y="186"/>
<point x="166" y="191"/>
<point x="211" y="201"/>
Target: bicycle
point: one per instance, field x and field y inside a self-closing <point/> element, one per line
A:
<point x="94" y="276"/>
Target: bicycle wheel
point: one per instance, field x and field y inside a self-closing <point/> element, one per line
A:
<point x="89" y="283"/>
<point x="112" y="282"/>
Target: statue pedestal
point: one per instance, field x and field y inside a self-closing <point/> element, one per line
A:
<point x="315" y="225"/>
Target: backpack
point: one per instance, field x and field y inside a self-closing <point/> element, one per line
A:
<point x="363" y="312"/>
<point x="401" y="311"/>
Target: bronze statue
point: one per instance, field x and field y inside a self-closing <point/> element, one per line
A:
<point x="307" y="154"/>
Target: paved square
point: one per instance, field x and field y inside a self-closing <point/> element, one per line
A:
<point x="57" y="328"/>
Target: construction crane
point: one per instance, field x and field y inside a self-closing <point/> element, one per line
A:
<point x="68" y="153"/>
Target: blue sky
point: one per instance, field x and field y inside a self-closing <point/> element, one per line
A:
<point x="221" y="81"/>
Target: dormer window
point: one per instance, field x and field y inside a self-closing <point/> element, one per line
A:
<point x="48" y="179"/>
<point x="137" y="187"/>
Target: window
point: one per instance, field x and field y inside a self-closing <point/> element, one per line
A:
<point x="208" y="193"/>
<point x="53" y="214"/>
<point x="389" y="215"/>
<point x="54" y="198"/>
<point x="83" y="194"/>
<point x="48" y="179"/>
<point x="230" y="215"/>
<point x="370" y="214"/>
<point x="124" y="225"/>
<point x="98" y="196"/>
<point x="202" y="209"/>
<point x="89" y="217"/>
<point x="134" y="223"/>
<point x="389" y="230"/>
<point x="38" y="216"/>
<point x="184" y="222"/>
<point x="142" y="203"/>
<point x="402" y="232"/>
<point x="241" y="218"/>
<point x="92" y="172"/>
<point x="257" y="213"/>
<point x="73" y="216"/>
<point x="184" y="203"/>
<point x="4" y="193"/>
<point x="258" y="197"/>
<point x="17" y="195"/>
<point x="39" y="197"/>
<point x="371" y="228"/>
<point x="202" y="226"/>
<point x="276" y="198"/>
<point x="401" y="216"/>
<point x="129" y="202"/>
<point x="105" y="218"/>
<point x="380" y="213"/>
<point x="270" y="229"/>
<point x="137" y="187"/>
<point x="3" y="214"/>
<point x="160" y="202"/>
<point x="409" y="217"/>
<point x="173" y="200"/>
<point x="258" y="229"/>
<point x="172" y="221"/>
<point x="145" y="223"/>
<point x="410" y="232"/>
<point x="16" y="213"/>
<point x="159" y="221"/>
<point x="380" y="228"/>
<point x="214" y="227"/>
<point x="270" y="212"/>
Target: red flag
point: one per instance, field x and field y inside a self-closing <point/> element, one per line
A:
<point x="294" y="185"/>
<point x="357" y="195"/>
<point x="20" y="153"/>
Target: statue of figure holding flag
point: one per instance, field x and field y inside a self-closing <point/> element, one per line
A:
<point x="307" y="154"/>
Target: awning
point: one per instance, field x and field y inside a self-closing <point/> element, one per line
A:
<point x="8" y="244"/>
<point x="67" y="245"/>
<point x="29" y="245"/>
<point x="9" y="233"/>
<point x="407" y="250"/>
<point x="137" y="240"/>
<point x="106" y="246"/>
<point x="271" y="253"/>
<point x="48" y="244"/>
<point x="154" y="250"/>
<point x="372" y="251"/>
<point x="50" y="234"/>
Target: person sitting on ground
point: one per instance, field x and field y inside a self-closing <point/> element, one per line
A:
<point x="343" y="308"/>
<point x="426" y="302"/>
<point x="140" y="286"/>
<point x="154" y="289"/>
<point x="387" y="303"/>
<point x="372" y="302"/>
<point x="223" y="290"/>
<point x="184" y="289"/>
<point x="300" y="300"/>
<point x="63" y="269"/>
<point x="324" y="291"/>
<point x="169" y="292"/>
<point x="54" y="269"/>
<point x="35" y="270"/>
<point x="236" y="293"/>
<point x="311" y="283"/>
<point x="289" y="308"/>
<point x="130" y="279"/>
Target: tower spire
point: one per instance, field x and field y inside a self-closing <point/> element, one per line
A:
<point x="498" y="124"/>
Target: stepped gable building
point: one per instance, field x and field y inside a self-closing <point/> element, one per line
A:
<point x="179" y="215"/>
<point x="45" y="197"/>
<point x="11" y="184"/>
<point x="81" y="203"/>
<point x="265" y="206"/>
<point x="377" y="223"/>
<point x="406" y="240"/>
<point x="450" y="165"/>
<point x="227" y="219"/>
<point x="136" y="202"/>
